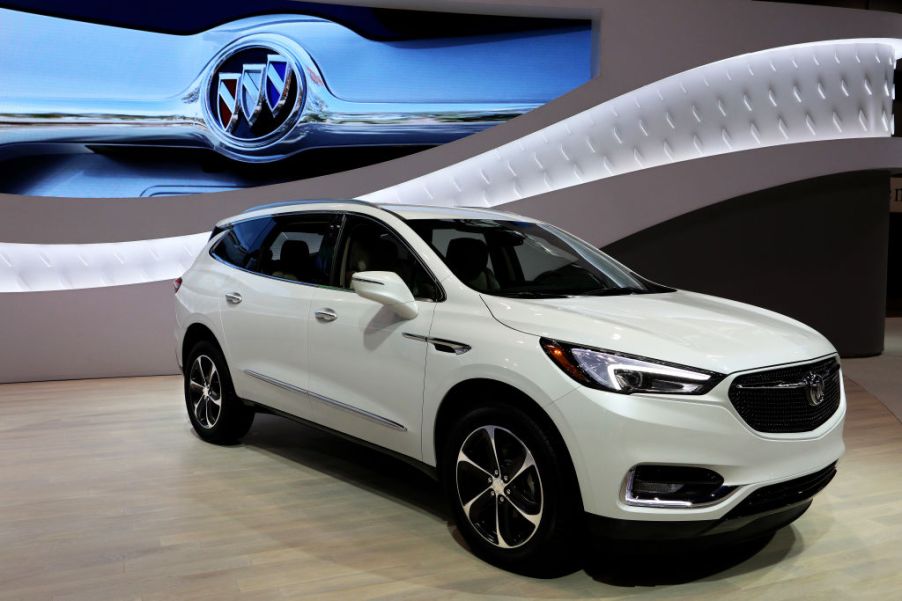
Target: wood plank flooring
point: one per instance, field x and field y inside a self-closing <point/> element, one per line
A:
<point x="106" y="494"/>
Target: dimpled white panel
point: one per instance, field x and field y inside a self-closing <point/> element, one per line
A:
<point x="33" y="267"/>
<point x="787" y="95"/>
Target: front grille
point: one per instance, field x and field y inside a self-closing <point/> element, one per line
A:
<point x="784" y="494"/>
<point x="778" y="400"/>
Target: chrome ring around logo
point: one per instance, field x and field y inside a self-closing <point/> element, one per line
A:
<point x="254" y="93"/>
<point x="815" y="389"/>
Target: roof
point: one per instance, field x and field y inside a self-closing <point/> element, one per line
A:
<point x="403" y="211"/>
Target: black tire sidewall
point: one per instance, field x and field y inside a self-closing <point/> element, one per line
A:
<point x="550" y="551"/>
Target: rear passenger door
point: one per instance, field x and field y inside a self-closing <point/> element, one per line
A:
<point x="265" y="306"/>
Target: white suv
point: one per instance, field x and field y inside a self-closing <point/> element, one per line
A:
<point x="549" y="388"/>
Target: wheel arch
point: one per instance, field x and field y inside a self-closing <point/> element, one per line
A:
<point x="472" y="393"/>
<point x="195" y="333"/>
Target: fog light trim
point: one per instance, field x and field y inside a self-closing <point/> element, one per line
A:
<point x="638" y="492"/>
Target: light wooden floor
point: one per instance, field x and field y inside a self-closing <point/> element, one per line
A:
<point x="105" y="493"/>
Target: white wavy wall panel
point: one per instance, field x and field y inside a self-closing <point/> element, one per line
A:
<point x="803" y="93"/>
<point x="32" y="267"/>
<point x="794" y="94"/>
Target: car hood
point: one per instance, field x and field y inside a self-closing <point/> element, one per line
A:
<point x="680" y="327"/>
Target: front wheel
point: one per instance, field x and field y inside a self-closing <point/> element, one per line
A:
<point x="511" y="490"/>
<point x="215" y="411"/>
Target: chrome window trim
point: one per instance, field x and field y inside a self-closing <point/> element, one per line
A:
<point x="383" y="421"/>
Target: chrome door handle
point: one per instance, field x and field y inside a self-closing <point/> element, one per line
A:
<point x="325" y="315"/>
<point x="233" y="298"/>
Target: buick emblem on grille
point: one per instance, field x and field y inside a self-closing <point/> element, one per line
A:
<point x="814" y="387"/>
<point x="253" y="92"/>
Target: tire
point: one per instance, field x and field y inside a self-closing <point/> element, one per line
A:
<point x="539" y="508"/>
<point x="217" y="414"/>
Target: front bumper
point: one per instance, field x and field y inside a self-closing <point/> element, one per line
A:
<point x="608" y="434"/>
<point x="724" y="530"/>
<point x="765" y="510"/>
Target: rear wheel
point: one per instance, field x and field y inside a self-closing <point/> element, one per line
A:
<point x="510" y="488"/>
<point x="217" y="414"/>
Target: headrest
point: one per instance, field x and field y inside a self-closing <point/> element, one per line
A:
<point x="295" y="255"/>
<point x="467" y="257"/>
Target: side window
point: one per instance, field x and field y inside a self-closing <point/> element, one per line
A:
<point x="241" y="241"/>
<point x="299" y="249"/>
<point x="370" y="246"/>
<point x="469" y="254"/>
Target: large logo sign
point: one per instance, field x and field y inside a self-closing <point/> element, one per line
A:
<point x="254" y="92"/>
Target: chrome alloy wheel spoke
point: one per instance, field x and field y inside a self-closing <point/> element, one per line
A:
<point x="528" y="462"/>
<point x="209" y="379"/>
<point x="462" y="457"/>
<point x="491" y="430"/>
<point x="469" y="504"/>
<point x="199" y="406"/>
<point x="499" y="501"/>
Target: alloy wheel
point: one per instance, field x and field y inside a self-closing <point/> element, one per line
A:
<point x="499" y="486"/>
<point x="205" y="391"/>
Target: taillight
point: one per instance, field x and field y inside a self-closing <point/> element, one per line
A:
<point x="176" y="284"/>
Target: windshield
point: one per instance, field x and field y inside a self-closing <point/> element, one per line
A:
<point x="523" y="259"/>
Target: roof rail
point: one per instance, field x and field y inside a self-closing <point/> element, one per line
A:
<point x="288" y="203"/>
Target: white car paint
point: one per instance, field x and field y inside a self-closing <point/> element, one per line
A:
<point x="364" y="362"/>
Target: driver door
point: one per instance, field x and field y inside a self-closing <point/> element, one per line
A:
<point x="366" y="370"/>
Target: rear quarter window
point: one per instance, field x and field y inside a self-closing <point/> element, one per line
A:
<point x="241" y="240"/>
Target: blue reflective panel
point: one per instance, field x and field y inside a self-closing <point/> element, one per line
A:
<point x="533" y="66"/>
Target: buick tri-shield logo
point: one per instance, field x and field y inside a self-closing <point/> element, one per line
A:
<point x="815" y="388"/>
<point x="253" y="92"/>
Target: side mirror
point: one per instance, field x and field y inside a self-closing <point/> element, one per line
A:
<point x="388" y="288"/>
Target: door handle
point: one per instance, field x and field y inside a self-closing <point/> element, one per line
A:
<point x="233" y="298"/>
<point x="325" y="315"/>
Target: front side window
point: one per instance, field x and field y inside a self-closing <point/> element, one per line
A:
<point x="241" y="241"/>
<point x="298" y="249"/>
<point x="370" y="246"/>
<point x="514" y="258"/>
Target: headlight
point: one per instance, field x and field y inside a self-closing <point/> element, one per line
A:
<point x="617" y="372"/>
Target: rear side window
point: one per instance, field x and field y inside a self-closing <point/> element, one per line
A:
<point x="241" y="241"/>
<point x="299" y="249"/>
